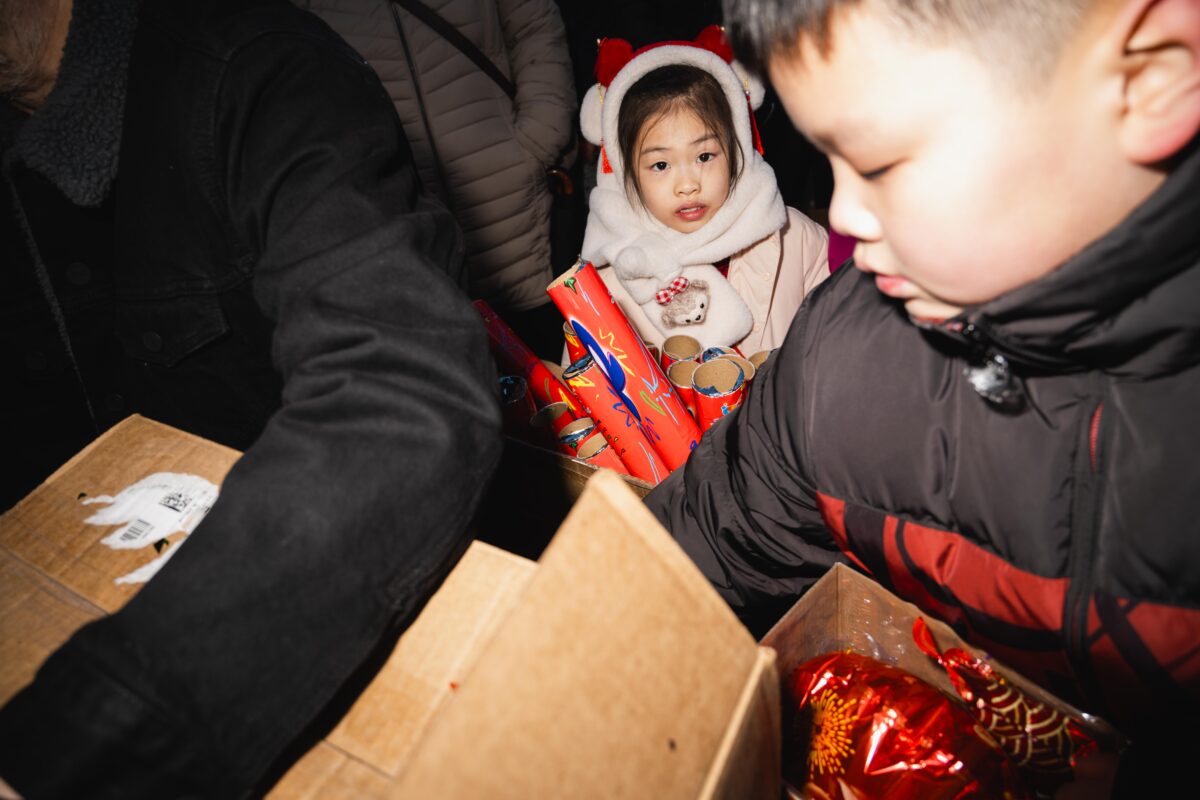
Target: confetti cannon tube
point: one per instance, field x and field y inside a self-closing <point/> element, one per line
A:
<point x="573" y="433"/>
<point x="720" y="387"/>
<point x="680" y="375"/>
<point x="615" y="421"/>
<point x="679" y="348"/>
<point x="575" y="348"/>
<point x="760" y="358"/>
<point x="553" y="418"/>
<point x="596" y="451"/>
<point x="517" y="406"/>
<point x="515" y="357"/>
<point x="633" y="374"/>
<point x="748" y="368"/>
<point x="716" y="351"/>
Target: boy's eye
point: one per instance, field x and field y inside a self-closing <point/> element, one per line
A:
<point x="872" y="174"/>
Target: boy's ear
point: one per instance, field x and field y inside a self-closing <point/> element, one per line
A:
<point x="1161" y="69"/>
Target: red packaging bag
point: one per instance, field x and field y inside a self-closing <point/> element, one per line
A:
<point x="632" y="372"/>
<point x="857" y="728"/>
<point x="1041" y="740"/>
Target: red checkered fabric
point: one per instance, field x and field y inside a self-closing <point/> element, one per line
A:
<point x="663" y="296"/>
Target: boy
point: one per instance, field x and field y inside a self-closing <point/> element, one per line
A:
<point x="995" y="414"/>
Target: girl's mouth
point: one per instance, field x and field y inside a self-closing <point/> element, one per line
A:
<point x="691" y="213"/>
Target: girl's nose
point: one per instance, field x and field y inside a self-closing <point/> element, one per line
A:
<point x="687" y="184"/>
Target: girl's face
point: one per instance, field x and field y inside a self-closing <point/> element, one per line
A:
<point x="681" y="170"/>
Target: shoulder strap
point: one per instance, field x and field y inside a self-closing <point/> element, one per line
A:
<point x="464" y="45"/>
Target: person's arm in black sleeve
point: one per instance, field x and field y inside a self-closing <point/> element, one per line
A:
<point x="340" y="521"/>
<point x="742" y="507"/>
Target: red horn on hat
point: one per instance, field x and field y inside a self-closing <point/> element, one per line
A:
<point x="712" y="39"/>
<point x="612" y="56"/>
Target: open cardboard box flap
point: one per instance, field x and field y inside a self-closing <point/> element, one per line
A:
<point x="619" y="673"/>
<point x="609" y="668"/>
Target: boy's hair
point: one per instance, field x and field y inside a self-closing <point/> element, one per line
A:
<point x="1024" y="36"/>
<point x="672" y="88"/>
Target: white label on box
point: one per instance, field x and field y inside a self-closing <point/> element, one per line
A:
<point x="149" y="511"/>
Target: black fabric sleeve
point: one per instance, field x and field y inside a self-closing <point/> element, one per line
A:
<point x="339" y="522"/>
<point x="742" y="506"/>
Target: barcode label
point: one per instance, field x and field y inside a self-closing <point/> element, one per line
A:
<point x="138" y="529"/>
<point x="165" y="504"/>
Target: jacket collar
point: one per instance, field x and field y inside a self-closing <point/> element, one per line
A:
<point x="74" y="139"/>
<point x="1128" y="304"/>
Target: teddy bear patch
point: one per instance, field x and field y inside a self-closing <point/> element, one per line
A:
<point x="687" y="306"/>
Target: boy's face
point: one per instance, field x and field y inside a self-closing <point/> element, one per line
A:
<point x="682" y="171"/>
<point x="959" y="186"/>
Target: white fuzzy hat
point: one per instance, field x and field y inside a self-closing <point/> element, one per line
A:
<point x="618" y="67"/>
<point x="647" y="256"/>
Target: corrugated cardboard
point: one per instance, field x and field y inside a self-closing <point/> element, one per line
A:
<point x="609" y="669"/>
<point x="620" y="673"/>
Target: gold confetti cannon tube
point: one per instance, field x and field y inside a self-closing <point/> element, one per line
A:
<point x="633" y="374"/>
<point x="614" y="420"/>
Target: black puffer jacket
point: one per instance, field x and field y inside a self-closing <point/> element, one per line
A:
<point x="1055" y="525"/>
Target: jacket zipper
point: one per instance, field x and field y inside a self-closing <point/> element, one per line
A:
<point x="1084" y="523"/>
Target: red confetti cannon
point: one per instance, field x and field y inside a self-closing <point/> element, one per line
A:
<point x="575" y="348"/>
<point x="1040" y="739"/>
<point x="859" y="728"/>
<point x="633" y="374"/>
<point x="517" y="406"/>
<point x="596" y="451"/>
<point x="719" y="388"/>
<point x="573" y="433"/>
<point x="515" y="357"/>
<point x="615" y="421"/>
<point x="748" y="370"/>
<point x="680" y="375"/>
<point x="680" y="347"/>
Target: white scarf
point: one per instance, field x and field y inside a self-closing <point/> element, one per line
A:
<point x="646" y="255"/>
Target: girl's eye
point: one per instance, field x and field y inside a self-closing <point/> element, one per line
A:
<point x="704" y="158"/>
<point x="657" y="166"/>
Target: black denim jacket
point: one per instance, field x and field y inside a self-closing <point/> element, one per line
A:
<point x="235" y="243"/>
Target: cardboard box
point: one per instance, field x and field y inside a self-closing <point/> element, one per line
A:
<point x="608" y="669"/>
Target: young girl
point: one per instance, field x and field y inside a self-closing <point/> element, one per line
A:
<point x="686" y="223"/>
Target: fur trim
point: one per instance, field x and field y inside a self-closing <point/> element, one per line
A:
<point x="589" y="114"/>
<point x="750" y="82"/>
<point x="74" y="139"/>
